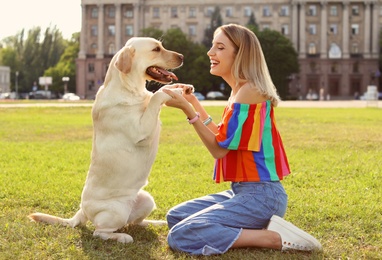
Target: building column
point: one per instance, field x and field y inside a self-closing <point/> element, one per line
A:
<point x="375" y="32"/>
<point x="118" y="27"/>
<point x="324" y="30"/>
<point x="366" y="49"/>
<point x="136" y="19"/>
<point x="82" y="53"/>
<point x="302" y="45"/>
<point x="295" y="25"/>
<point x="345" y="33"/>
<point x="101" y="29"/>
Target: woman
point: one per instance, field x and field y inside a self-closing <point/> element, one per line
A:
<point x="249" y="153"/>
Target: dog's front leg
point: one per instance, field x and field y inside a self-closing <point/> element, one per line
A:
<point x="150" y="118"/>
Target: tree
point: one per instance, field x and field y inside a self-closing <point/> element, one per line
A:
<point x="252" y="22"/>
<point x="32" y="55"/>
<point x="216" y="21"/>
<point x="66" y="66"/>
<point x="281" y="58"/>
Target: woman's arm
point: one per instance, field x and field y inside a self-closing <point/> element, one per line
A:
<point x="206" y="133"/>
<point x="204" y="116"/>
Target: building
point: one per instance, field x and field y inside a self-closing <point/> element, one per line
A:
<point x="337" y="41"/>
<point x="5" y="79"/>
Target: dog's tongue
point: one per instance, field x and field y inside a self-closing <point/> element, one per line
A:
<point x="168" y="73"/>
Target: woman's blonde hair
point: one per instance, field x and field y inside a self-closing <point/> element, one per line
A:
<point x="250" y="64"/>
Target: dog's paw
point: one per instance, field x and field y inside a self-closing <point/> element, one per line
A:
<point x="177" y="90"/>
<point x="120" y="237"/>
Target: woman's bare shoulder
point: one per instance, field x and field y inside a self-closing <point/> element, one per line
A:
<point x="249" y="95"/>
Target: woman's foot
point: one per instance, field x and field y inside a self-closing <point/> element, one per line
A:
<point x="293" y="238"/>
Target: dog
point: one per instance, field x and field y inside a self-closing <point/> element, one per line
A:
<point x="126" y="130"/>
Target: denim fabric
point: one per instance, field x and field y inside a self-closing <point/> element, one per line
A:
<point x="211" y="224"/>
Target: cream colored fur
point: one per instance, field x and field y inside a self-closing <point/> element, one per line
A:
<point x="125" y="142"/>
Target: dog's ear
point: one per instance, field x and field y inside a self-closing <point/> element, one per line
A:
<point x="124" y="59"/>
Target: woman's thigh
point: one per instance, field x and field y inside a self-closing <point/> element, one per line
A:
<point x="188" y="208"/>
<point x="249" y="206"/>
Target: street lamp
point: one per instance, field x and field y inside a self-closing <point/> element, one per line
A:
<point x="65" y="80"/>
<point x="17" y="84"/>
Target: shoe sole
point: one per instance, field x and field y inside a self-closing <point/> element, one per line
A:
<point x="278" y="222"/>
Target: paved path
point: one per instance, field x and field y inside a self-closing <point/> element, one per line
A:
<point x="293" y="104"/>
<point x="318" y="104"/>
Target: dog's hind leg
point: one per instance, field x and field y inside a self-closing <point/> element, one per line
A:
<point x="107" y="222"/>
<point x="144" y="205"/>
<point x="106" y="234"/>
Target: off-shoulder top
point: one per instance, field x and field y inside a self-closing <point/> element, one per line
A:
<point x="256" y="150"/>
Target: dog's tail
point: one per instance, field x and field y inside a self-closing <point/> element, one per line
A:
<point x="78" y="219"/>
<point x="147" y="222"/>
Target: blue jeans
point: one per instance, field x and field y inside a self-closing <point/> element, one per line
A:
<point x="211" y="224"/>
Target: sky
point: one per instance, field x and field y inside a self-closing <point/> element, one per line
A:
<point x="26" y="14"/>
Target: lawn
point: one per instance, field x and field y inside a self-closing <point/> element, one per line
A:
<point x="334" y="191"/>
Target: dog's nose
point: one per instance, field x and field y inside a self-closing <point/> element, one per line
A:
<point x="181" y="57"/>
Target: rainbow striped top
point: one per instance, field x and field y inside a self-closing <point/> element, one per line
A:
<point x="256" y="149"/>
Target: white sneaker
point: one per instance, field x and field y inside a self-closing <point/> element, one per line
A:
<point x="292" y="237"/>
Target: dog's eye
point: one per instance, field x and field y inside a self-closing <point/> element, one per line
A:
<point x="157" y="49"/>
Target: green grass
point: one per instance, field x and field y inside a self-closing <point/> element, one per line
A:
<point x="334" y="192"/>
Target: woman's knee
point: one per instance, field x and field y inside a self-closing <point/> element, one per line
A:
<point x="172" y="219"/>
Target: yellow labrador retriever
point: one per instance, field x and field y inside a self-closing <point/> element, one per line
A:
<point x="125" y="142"/>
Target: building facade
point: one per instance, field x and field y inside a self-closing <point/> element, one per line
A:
<point x="5" y="79"/>
<point x="337" y="41"/>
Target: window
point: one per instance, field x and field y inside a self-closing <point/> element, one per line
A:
<point x="354" y="29"/>
<point x="355" y="10"/>
<point x="93" y="46"/>
<point x="91" y="67"/>
<point x="333" y="29"/>
<point x="312" y="10"/>
<point x="247" y="11"/>
<point x="192" y="12"/>
<point x="192" y="30"/>
<point x="174" y="12"/>
<point x="284" y="10"/>
<point x="129" y="13"/>
<point x="334" y="68"/>
<point x="284" y="29"/>
<point x="156" y="12"/>
<point x="91" y="84"/>
<point x="94" y="12"/>
<point x="210" y="11"/>
<point x="266" y="11"/>
<point x="333" y="10"/>
<point x="312" y="49"/>
<point x="354" y="48"/>
<point x="111" y="30"/>
<point x="111" y="11"/>
<point x="94" y="30"/>
<point x="111" y="48"/>
<point x="312" y="29"/>
<point x="228" y="12"/>
<point x="129" y="30"/>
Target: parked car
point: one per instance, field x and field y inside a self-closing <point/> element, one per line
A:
<point x="215" y="95"/>
<point x="41" y="94"/>
<point x="199" y="96"/>
<point x="70" y="97"/>
<point x="6" y="95"/>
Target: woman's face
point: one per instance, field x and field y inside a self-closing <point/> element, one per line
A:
<point x="222" y="55"/>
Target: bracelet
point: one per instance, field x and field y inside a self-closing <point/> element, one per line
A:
<point x="193" y="120"/>
<point x="207" y="121"/>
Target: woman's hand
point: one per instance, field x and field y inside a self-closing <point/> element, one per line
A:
<point x="179" y="101"/>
